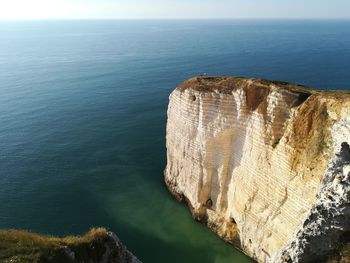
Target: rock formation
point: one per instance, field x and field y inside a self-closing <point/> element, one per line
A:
<point x="97" y="246"/>
<point x="264" y="164"/>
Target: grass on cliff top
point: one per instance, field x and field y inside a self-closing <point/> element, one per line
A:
<point x="25" y="247"/>
<point x="228" y="83"/>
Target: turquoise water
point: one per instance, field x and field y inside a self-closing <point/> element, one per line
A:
<point x="83" y="115"/>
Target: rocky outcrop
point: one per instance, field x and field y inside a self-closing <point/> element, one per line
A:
<point x="106" y="248"/>
<point x="97" y="246"/>
<point x="264" y="164"/>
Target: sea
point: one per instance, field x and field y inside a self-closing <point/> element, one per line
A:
<point x="83" y="116"/>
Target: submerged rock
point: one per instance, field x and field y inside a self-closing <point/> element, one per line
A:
<point x="264" y="164"/>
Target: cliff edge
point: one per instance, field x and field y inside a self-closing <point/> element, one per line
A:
<point x="97" y="246"/>
<point x="265" y="164"/>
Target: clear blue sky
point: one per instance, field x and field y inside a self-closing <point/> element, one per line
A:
<point x="61" y="9"/>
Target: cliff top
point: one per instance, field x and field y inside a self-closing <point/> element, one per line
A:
<point x="97" y="244"/>
<point x="226" y="85"/>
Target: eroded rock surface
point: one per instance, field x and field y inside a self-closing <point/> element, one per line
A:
<point x="264" y="164"/>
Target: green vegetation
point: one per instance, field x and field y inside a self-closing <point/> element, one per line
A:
<point x="25" y="247"/>
<point x="228" y="83"/>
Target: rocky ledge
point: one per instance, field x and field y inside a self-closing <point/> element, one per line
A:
<point x="265" y="164"/>
<point x="97" y="246"/>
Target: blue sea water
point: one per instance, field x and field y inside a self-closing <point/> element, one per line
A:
<point x="83" y="114"/>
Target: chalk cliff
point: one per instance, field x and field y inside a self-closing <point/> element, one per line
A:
<point x="264" y="164"/>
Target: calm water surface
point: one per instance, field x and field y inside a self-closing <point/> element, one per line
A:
<point x="83" y="115"/>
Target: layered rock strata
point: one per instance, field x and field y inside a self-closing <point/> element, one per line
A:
<point x="264" y="164"/>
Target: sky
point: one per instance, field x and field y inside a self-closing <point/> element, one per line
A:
<point x="173" y="9"/>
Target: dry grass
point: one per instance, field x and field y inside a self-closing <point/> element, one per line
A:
<point x="226" y="84"/>
<point x="22" y="247"/>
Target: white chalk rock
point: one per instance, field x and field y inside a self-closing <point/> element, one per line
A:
<point x="254" y="160"/>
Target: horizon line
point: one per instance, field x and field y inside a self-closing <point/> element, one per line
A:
<point x="176" y="18"/>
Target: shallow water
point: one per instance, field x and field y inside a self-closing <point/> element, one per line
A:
<point x="83" y="115"/>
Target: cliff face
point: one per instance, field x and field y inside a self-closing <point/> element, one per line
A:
<point x="264" y="164"/>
